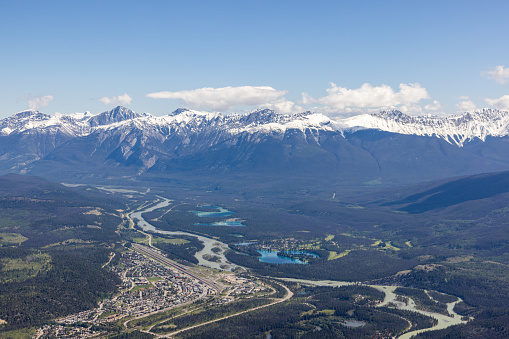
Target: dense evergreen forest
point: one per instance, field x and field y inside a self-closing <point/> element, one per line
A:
<point x="75" y="282"/>
<point x="54" y="241"/>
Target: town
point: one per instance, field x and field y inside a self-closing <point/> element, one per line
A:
<point x="147" y="287"/>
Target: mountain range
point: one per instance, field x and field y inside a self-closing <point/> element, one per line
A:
<point x="385" y="148"/>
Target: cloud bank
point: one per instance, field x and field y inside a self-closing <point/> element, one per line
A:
<point x="500" y="103"/>
<point x="465" y="105"/>
<point x="224" y="98"/>
<point x="283" y="106"/>
<point x="435" y="107"/>
<point x="339" y="101"/>
<point x="368" y="96"/>
<point x="35" y="103"/>
<point x="120" y="100"/>
<point x="500" y="74"/>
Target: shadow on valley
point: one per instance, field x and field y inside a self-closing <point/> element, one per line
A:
<point x="456" y="192"/>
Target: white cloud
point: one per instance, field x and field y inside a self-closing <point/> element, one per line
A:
<point x="225" y="98"/>
<point x="499" y="74"/>
<point x="38" y="102"/>
<point x="466" y="105"/>
<point x="283" y="106"/>
<point x="435" y="107"/>
<point x="500" y="103"/>
<point x="340" y="98"/>
<point x="120" y="100"/>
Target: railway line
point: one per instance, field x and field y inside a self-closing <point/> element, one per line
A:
<point x="168" y="262"/>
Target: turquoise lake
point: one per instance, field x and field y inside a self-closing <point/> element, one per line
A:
<point x="272" y="257"/>
<point x="224" y="223"/>
<point x="219" y="212"/>
<point x="245" y="243"/>
<point x="302" y="252"/>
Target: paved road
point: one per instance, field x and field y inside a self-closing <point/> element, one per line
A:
<point x="158" y="311"/>
<point x="112" y="255"/>
<point x="288" y="295"/>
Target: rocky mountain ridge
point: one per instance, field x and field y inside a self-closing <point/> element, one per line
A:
<point x="457" y="129"/>
<point x="387" y="147"/>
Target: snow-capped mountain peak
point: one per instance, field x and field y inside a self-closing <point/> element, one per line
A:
<point x="124" y="141"/>
<point x="117" y="114"/>
<point x="456" y="129"/>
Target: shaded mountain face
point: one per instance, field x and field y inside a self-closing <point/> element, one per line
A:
<point x="452" y="192"/>
<point x="122" y="143"/>
<point x="118" y="114"/>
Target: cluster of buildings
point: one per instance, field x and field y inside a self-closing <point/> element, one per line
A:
<point x="242" y="286"/>
<point x="61" y="331"/>
<point x="147" y="287"/>
<point x="282" y="244"/>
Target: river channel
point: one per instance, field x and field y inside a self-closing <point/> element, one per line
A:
<point x="444" y="321"/>
<point x="221" y="264"/>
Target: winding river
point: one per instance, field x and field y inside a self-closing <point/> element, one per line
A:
<point x="222" y="263"/>
<point x="444" y="321"/>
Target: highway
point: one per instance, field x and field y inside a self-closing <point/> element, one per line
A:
<point x="288" y="295"/>
<point x="168" y="262"/>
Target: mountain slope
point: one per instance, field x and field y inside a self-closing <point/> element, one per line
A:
<point x="455" y="191"/>
<point x="121" y="143"/>
<point x="456" y="129"/>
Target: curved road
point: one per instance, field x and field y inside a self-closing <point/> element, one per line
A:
<point x="288" y="295"/>
<point x="443" y="321"/>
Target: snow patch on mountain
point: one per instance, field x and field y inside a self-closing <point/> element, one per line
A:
<point x="188" y="123"/>
<point x="456" y="129"/>
<point x="35" y="121"/>
<point x="283" y="122"/>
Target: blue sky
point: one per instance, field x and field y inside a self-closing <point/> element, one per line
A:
<point x="337" y="57"/>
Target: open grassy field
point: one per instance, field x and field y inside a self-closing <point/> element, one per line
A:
<point x="9" y="239"/>
<point x="21" y="269"/>
<point x="174" y="241"/>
